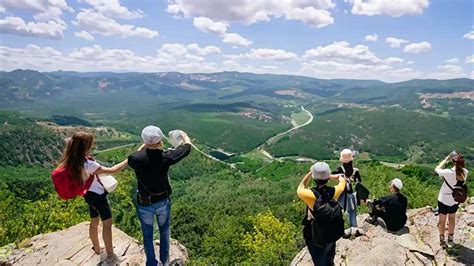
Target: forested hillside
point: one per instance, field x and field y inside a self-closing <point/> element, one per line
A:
<point x="22" y="141"/>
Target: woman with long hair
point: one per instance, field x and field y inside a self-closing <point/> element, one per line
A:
<point x="455" y="176"/>
<point x="76" y="158"/>
<point x="348" y="198"/>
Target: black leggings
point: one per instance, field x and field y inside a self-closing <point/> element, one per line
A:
<point x="98" y="205"/>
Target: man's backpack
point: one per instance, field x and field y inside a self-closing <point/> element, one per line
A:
<point x="327" y="223"/>
<point x="67" y="186"/>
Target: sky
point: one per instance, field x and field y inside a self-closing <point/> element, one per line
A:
<point x="386" y="40"/>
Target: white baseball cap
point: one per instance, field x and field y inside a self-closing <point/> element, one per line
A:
<point x="320" y="171"/>
<point x="397" y="183"/>
<point x="152" y="135"/>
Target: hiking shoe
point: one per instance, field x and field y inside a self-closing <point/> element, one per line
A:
<point x="451" y="240"/>
<point x="111" y="259"/>
<point x="442" y="242"/>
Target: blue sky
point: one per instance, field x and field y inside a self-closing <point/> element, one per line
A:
<point x="362" y="39"/>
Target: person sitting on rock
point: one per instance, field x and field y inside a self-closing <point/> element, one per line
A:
<point x="348" y="198"/>
<point x="389" y="211"/>
<point x="320" y="172"/>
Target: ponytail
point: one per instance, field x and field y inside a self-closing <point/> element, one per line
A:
<point x="459" y="166"/>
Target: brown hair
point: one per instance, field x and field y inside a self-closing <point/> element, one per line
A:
<point x="75" y="151"/>
<point x="459" y="166"/>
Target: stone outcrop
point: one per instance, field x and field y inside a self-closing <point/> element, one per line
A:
<point x="416" y="244"/>
<point x="73" y="247"/>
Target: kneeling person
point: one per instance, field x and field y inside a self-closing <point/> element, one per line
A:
<point x="390" y="209"/>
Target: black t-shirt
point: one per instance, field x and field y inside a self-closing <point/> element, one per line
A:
<point x="395" y="215"/>
<point x="151" y="167"/>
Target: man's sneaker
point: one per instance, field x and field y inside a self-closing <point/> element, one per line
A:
<point x="451" y="240"/>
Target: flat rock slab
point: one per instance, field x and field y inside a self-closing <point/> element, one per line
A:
<point x="73" y="247"/>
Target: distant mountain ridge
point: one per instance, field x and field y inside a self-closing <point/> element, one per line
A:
<point x="28" y="86"/>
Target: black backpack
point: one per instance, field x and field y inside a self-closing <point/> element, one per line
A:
<point x="327" y="223"/>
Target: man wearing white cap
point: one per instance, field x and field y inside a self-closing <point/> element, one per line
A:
<point x="390" y="211"/>
<point x="316" y="199"/>
<point x="151" y="166"/>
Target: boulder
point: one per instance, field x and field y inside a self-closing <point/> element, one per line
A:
<point x="416" y="244"/>
<point x="72" y="246"/>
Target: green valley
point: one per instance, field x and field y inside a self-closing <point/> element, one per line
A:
<point x="219" y="210"/>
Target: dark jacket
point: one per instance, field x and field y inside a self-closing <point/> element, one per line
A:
<point x="151" y="167"/>
<point x="395" y="206"/>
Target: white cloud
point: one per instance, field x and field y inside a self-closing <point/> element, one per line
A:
<point x="170" y="57"/>
<point x="220" y="28"/>
<point x="388" y="7"/>
<point x="343" y="52"/>
<point x="447" y="72"/>
<point x="209" y="26"/>
<point x="452" y="60"/>
<point x="46" y="14"/>
<point x="38" y="6"/>
<point x="236" y="39"/>
<point x="173" y="9"/>
<point x="371" y="38"/>
<point x="269" y="67"/>
<point x="309" y="15"/>
<point x="314" y="13"/>
<point x="410" y="63"/>
<point x="469" y="35"/>
<point x="96" y="23"/>
<point x="113" y="9"/>
<point x="393" y="60"/>
<point x="84" y="35"/>
<point x="341" y="60"/>
<point x="395" y="42"/>
<point x="205" y="51"/>
<point x="416" y="48"/>
<point x="333" y="69"/>
<point x="470" y="59"/>
<point x="15" y="25"/>
<point x="265" y="54"/>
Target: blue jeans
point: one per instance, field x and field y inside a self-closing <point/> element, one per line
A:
<point x="351" y="207"/>
<point x="146" y="215"/>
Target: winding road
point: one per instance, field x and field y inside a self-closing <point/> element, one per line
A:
<point x="279" y="135"/>
<point x="269" y="141"/>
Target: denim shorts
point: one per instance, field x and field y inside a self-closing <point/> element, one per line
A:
<point x="98" y="205"/>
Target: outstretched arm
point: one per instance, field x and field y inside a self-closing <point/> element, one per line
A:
<point x="304" y="193"/>
<point x="111" y="170"/>
<point x="440" y="167"/>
